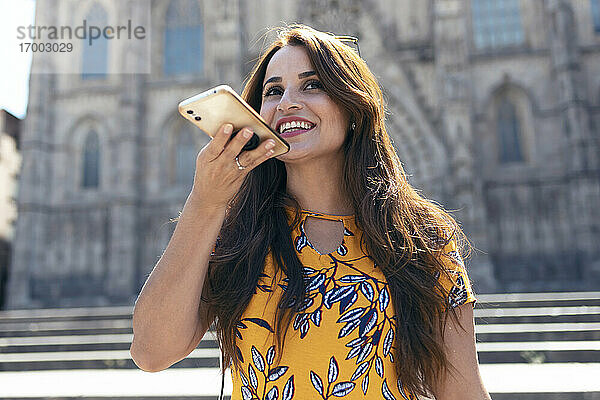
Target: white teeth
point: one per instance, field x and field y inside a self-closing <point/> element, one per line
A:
<point x="294" y="124"/>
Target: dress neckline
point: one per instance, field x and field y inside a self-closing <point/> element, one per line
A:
<point x="306" y="212"/>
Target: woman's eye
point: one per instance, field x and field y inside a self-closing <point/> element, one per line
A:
<point x="314" y="85"/>
<point x="272" y="91"/>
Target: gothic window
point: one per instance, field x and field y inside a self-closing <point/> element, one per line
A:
<point x="496" y="23"/>
<point x="183" y="39"/>
<point x="185" y="156"/>
<point x="91" y="161"/>
<point x="95" y="55"/>
<point x="596" y="15"/>
<point x="509" y="132"/>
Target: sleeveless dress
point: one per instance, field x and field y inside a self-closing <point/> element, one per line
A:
<point x="341" y="342"/>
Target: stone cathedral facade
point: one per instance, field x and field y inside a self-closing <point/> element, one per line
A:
<point x="493" y="107"/>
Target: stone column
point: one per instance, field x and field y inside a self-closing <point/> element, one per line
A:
<point x="454" y="88"/>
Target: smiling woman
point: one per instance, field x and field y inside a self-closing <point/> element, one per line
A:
<point x="327" y="242"/>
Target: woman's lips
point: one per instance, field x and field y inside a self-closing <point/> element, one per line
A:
<point x="295" y="132"/>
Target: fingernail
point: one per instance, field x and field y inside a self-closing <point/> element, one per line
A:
<point x="247" y="134"/>
<point x="228" y="128"/>
<point x="270" y="144"/>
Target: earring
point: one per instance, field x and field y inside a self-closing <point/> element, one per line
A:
<point x="353" y="126"/>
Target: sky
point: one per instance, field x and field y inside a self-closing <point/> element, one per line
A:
<point x="14" y="65"/>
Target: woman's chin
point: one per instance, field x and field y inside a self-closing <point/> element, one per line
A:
<point x="297" y="151"/>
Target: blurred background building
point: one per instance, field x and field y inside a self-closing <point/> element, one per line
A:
<point x="494" y="109"/>
<point x="10" y="163"/>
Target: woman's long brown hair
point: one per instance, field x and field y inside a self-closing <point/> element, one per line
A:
<point x="403" y="231"/>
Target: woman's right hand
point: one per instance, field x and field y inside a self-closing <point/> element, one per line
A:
<point x="217" y="178"/>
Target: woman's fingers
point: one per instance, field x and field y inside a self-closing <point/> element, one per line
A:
<point x="219" y="141"/>
<point x="235" y="145"/>
<point x="217" y="177"/>
<point x="255" y="157"/>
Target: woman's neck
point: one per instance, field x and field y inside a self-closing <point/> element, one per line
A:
<point x="318" y="187"/>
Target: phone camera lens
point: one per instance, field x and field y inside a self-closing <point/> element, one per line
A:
<point x="190" y="111"/>
<point x="197" y="118"/>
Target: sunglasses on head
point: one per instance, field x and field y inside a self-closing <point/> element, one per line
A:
<point x="352" y="41"/>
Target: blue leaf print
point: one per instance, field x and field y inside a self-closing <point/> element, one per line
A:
<point x="260" y="322"/>
<point x="347" y="302"/>
<point x="316" y="382"/>
<point x="307" y="303"/>
<point x="258" y="360"/>
<point x="352" y="315"/>
<point x="253" y="378"/>
<point x="455" y="257"/>
<point x="376" y="336"/>
<point x="379" y="366"/>
<point x="241" y="325"/>
<point x="288" y="389"/>
<point x="338" y="294"/>
<point x="276" y="373"/>
<point x="384" y="299"/>
<point x="342" y="250"/>
<point x="273" y="393"/>
<point x="361" y="369"/>
<point x="299" y="320"/>
<point x="317" y="281"/>
<point x="387" y="342"/>
<point x="365" y="352"/>
<point x="304" y="328"/>
<point x="333" y="370"/>
<point x="343" y="388"/>
<point x="385" y="390"/>
<point x="300" y="243"/>
<point x="367" y="322"/>
<point x="246" y="393"/>
<point x="238" y="334"/>
<point x="356" y="342"/>
<point x="271" y="355"/>
<point x="244" y="379"/>
<point x="354" y="352"/>
<point x="348" y="232"/>
<point x="352" y="278"/>
<point x="308" y="271"/>
<point x="348" y="328"/>
<point x="365" y="384"/>
<point x="316" y="317"/>
<point x="367" y="290"/>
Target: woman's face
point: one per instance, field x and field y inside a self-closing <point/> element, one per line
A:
<point x="295" y="105"/>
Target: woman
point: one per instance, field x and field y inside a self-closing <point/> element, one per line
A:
<point x="330" y="275"/>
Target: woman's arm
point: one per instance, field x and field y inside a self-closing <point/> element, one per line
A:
<point x="166" y="318"/>
<point x="465" y="383"/>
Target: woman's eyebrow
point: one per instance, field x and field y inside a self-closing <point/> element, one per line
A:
<point x="301" y="75"/>
<point x="306" y="74"/>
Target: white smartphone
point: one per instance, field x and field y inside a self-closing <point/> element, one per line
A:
<point x="211" y="109"/>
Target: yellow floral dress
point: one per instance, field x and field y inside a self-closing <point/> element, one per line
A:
<point x="341" y="342"/>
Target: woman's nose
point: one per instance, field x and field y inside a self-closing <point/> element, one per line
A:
<point x="288" y="101"/>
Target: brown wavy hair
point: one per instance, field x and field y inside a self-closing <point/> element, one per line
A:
<point x="403" y="231"/>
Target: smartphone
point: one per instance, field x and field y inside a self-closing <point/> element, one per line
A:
<point x="211" y="109"/>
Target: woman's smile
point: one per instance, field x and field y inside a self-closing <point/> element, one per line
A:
<point x="293" y="126"/>
<point x="295" y="131"/>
